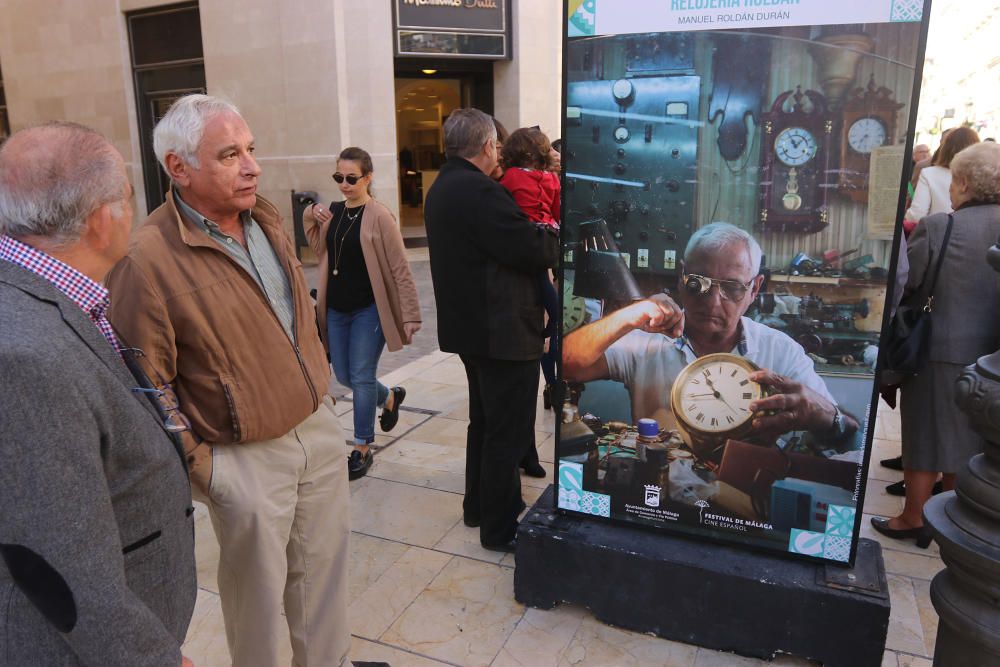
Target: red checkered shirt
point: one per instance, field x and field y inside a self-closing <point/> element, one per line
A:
<point x="91" y="296"/>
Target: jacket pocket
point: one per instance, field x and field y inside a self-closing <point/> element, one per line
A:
<point x="231" y="390"/>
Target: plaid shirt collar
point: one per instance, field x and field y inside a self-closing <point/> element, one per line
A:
<point x="90" y="296"/>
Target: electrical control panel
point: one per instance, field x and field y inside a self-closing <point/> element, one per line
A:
<point x="633" y="142"/>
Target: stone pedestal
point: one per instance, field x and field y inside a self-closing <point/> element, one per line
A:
<point x="966" y="525"/>
<point x="715" y="596"/>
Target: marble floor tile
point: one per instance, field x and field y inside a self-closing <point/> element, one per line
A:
<point x="434" y="396"/>
<point x="598" y="644"/>
<point x="547" y="449"/>
<point x="370" y="558"/>
<point x="442" y="431"/>
<point x="429" y="455"/>
<point x="374" y="609"/>
<point x="446" y="373"/>
<point x="889" y="659"/>
<point x="928" y="616"/>
<point x="914" y="565"/>
<point x="464" y="541"/>
<point x="368" y="651"/>
<point x="906" y="632"/>
<point x="913" y="661"/>
<point x="459" y="411"/>
<point x="418" y="476"/>
<point x="540" y="637"/>
<point x="410" y="514"/>
<point x="463" y="617"/>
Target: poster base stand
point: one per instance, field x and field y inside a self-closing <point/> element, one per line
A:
<point x="715" y="596"/>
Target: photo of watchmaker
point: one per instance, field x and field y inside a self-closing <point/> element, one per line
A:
<point x="646" y="345"/>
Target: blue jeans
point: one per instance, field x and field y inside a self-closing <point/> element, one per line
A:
<point x="356" y="342"/>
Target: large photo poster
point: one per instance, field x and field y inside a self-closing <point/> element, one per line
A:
<point x="732" y="175"/>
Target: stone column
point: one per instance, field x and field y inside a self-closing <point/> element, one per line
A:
<point x="966" y="525"/>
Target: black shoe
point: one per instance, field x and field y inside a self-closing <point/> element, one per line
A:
<point x="358" y="463"/>
<point x="899" y="488"/>
<point x="366" y="663"/>
<point x="508" y="547"/>
<point x="533" y="469"/>
<point x="922" y="535"/>
<point x="895" y="463"/>
<point x="387" y="420"/>
<point x="547" y="397"/>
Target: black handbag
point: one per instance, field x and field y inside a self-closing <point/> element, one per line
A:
<point x="908" y="339"/>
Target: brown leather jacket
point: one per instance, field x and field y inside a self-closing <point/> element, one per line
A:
<point x="206" y="328"/>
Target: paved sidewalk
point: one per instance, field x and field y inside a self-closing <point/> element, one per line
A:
<point x="423" y="592"/>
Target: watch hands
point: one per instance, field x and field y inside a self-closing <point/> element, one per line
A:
<point x="719" y="396"/>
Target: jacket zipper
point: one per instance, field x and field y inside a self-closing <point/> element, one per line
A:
<point x="295" y="315"/>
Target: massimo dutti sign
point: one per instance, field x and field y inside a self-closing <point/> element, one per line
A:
<point x="452" y="28"/>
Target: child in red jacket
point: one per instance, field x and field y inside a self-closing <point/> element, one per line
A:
<point x="528" y="163"/>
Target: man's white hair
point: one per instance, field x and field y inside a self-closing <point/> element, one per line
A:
<point x="181" y="128"/>
<point x="53" y="176"/>
<point x="719" y="235"/>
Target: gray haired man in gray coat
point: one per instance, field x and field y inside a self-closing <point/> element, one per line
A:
<point x="96" y="535"/>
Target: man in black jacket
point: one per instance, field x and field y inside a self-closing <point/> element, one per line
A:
<point x="485" y="259"/>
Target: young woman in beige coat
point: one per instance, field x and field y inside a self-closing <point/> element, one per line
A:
<point x="366" y="297"/>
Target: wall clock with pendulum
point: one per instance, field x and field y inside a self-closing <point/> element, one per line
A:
<point x="796" y="163"/>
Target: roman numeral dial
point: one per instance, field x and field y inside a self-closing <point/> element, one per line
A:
<point x="712" y="396"/>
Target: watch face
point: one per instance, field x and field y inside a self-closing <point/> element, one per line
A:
<point x="866" y="134"/>
<point x="712" y="395"/>
<point x="795" y="146"/>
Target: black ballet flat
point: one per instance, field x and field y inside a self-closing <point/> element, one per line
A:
<point x="922" y="535"/>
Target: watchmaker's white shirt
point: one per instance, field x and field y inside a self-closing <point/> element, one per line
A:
<point x="647" y="364"/>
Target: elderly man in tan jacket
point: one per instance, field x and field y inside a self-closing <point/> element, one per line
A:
<point x="212" y="294"/>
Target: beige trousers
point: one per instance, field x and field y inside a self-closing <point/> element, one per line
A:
<point x="280" y="511"/>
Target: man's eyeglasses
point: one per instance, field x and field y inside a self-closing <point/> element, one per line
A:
<point x="174" y="420"/>
<point x="350" y="178"/>
<point x="731" y="290"/>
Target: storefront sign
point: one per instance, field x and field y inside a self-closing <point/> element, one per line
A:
<point x="452" y="28"/>
<point x="749" y="420"/>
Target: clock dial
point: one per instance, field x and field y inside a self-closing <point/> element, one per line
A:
<point x="713" y="394"/>
<point x="795" y="146"/>
<point x="866" y="134"/>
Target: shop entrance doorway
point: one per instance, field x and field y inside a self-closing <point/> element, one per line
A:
<point x="426" y="93"/>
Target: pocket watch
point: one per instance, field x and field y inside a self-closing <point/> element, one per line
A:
<point x="711" y="400"/>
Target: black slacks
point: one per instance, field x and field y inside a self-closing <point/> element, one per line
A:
<point x="502" y="398"/>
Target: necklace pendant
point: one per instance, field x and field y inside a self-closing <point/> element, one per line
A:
<point x="335" y="272"/>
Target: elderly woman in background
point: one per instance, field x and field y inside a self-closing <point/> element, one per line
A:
<point x="937" y="438"/>
<point x="931" y="194"/>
